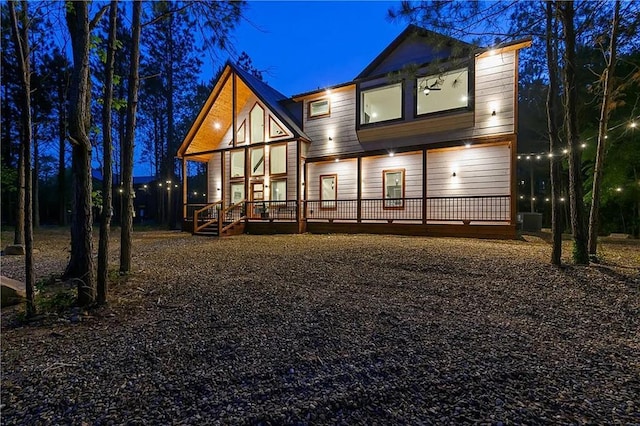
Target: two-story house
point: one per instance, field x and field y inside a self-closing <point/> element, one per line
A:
<point x="421" y="142"/>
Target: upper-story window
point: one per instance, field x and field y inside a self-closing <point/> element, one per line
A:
<point x="319" y="108"/>
<point x="381" y="104"/>
<point x="442" y="92"/>
<point x="256" y="119"/>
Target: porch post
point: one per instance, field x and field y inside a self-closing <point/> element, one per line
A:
<point x="185" y="193"/>
<point x="234" y="131"/>
<point x="424" y="186"/>
<point x="514" y="153"/>
<point x="298" y="159"/>
<point x="359" y="196"/>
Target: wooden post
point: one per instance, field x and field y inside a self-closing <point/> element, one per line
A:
<point x="185" y="193"/>
<point x="424" y="186"/>
<point x="298" y="158"/>
<point x="234" y="131"/>
<point x="512" y="147"/>
<point x="359" y="186"/>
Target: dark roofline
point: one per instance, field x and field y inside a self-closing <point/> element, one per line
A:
<point x="335" y="86"/>
<point x="411" y="29"/>
<point x="288" y="120"/>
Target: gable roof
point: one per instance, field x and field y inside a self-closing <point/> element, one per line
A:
<point x="271" y="98"/>
<point x="414" y="45"/>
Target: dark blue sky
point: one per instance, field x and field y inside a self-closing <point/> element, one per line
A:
<point x="305" y="45"/>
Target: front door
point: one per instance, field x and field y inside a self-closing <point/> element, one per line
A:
<point x="259" y="209"/>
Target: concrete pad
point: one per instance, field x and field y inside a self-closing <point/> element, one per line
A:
<point x="13" y="291"/>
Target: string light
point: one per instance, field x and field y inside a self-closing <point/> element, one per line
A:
<point x="538" y="155"/>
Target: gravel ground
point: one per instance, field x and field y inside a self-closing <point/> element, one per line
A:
<point x="335" y="329"/>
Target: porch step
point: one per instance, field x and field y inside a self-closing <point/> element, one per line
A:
<point x="212" y="230"/>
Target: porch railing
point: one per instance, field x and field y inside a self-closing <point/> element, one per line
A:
<point x="272" y="210"/>
<point x="481" y="208"/>
<point x="206" y="215"/>
<point x="231" y="216"/>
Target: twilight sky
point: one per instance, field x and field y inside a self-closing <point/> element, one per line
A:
<point x="303" y="45"/>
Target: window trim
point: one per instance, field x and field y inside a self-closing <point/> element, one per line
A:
<point x="286" y="158"/>
<point x="360" y="90"/>
<point x="384" y="190"/>
<point x="242" y="127"/>
<point x="237" y="183"/>
<point x="251" y="172"/>
<point x="470" y="93"/>
<point x="271" y="135"/>
<point x="333" y="203"/>
<point x="324" y="114"/>
<point x="251" y="142"/>
<point x="244" y="160"/>
<point x="271" y="189"/>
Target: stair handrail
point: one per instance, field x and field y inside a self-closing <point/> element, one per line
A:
<point x="196" y="226"/>
<point x="223" y="213"/>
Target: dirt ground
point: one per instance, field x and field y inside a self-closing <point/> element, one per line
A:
<point x="326" y="329"/>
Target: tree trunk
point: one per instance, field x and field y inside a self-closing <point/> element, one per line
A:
<point x="18" y="238"/>
<point x="35" y="181"/>
<point x="170" y="125"/>
<point x="62" y="136"/>
<point x="107" y="174"/>
<point x="554" y="145"/>
<point x="127" y="148"/>
<point x="605" y="111"/>
<point x="576" y="197"/>
<point x="21" y="38"/>
<point x="81" y="264"/>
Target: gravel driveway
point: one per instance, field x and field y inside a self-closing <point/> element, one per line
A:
<point x="335" y="329"/>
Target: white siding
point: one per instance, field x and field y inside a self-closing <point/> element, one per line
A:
<point x="494" y="86"/>
<point x="372" y="168"/>
<point x="214" y="182"/>
<point x="292" y="158"/>
<point x="340" y="125"/>
<point x="347" y="172"/>
<point x="479" y="171"/>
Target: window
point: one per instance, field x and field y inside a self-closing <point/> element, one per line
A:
<point x="257" y="124"/>
<point x="237" y="164"/>
<point x="275" y="131"/>
<point x="328" y="191"/>
<point x="381" y="104"/>
<point x="442" y="92"/>
<point x="278" y="190"/>
<point x="241" y="135"/>
<point x="319" y="108"/>
<point x="237" y="192"/>
<point x="257" y="161"/>
<point x="393" y="188"/>
<point x="278" y="159"/>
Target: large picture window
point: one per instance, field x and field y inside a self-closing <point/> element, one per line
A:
<point x="279" y="190"/>
<point x="257" y="124"/>
<point x="393" y="187"/>
<point x="237" y="164"/>
<point x="381" y="104"/>
<point x="278" y="159"/>
<point x="442" y="92"/>
<point x="257" y="161"/>
<point x="328" y="191"/>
